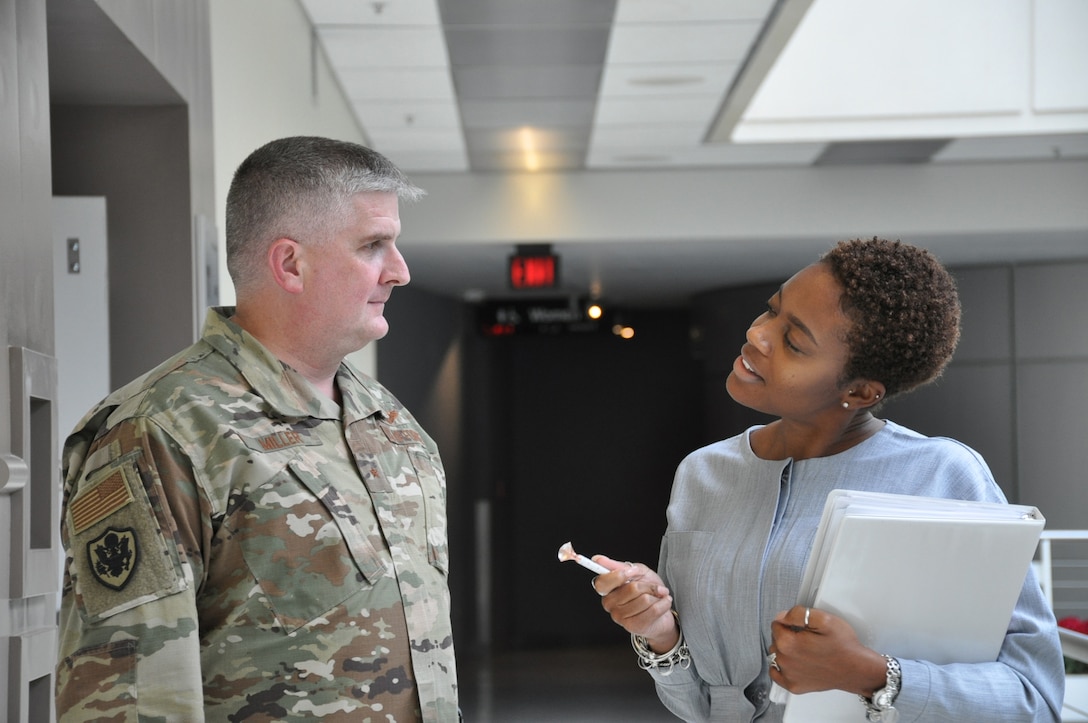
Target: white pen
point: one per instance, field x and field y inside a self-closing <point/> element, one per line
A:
<point x="566" y="552"/>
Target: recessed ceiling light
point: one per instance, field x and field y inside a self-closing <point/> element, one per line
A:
<point x="530" y="157"/>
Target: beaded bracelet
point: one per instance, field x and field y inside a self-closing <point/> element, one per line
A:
<point x="664" y="662"/>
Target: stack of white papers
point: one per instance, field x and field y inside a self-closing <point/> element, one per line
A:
<point x="919" y="578"/>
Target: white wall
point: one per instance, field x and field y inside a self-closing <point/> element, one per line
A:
<point x="265" y="86"/>
<point x="81" y="309"/>
<point x="268" y="83"/>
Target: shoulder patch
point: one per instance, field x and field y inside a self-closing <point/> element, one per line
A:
<point x="112" y="557"/>
<point x="104" y="497"/>
<point x="121" y="548"/>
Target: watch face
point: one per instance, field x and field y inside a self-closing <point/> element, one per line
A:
<point x="882" y="698"/>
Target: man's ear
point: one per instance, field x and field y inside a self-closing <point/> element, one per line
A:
<point x="865" y="393"/>
<point x="285" y="262"/>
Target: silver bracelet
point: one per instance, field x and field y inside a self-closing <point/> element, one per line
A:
<point x="649" y="660"/>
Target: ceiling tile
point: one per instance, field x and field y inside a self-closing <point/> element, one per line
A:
<point x="581" y="45"/>
<point x="408" y="115"/>
<point x="400" y="12"/>
<point x="523" y="81"/>
<point x="668" y="79"/>
<point x="366" y="47"/>
<point x="640" y="111"/>
<point x="397" y="84"/>
<point x="693" y="42"/>
<point x="526" y="12"/>
<point x="673" y="11"/>
<point x="500" y="114"/>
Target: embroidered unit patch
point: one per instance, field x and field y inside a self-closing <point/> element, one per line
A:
<point x="113" y="556"/>
<point x="100" y="501"/>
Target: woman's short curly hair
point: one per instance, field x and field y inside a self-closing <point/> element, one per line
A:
<point x="904" y="309"/>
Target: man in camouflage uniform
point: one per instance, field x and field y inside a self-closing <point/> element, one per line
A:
<point x="256" y="531"/>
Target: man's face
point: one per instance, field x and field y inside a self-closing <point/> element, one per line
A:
<point x="351" y="273"/>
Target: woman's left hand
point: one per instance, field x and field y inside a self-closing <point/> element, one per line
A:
<point x="814" y="650"/>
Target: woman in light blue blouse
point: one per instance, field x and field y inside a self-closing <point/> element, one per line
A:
<point x="716" y="624"/>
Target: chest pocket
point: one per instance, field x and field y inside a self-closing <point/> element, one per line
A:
<point x="407" y="483"/>
<point x="306" y="545"/>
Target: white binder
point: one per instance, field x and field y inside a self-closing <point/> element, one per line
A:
<point x="919" y="578"/>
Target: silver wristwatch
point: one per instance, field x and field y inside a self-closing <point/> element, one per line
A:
<point x="879" y="707"/>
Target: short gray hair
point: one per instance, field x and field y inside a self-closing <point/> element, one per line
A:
<point x="292" y="187"/>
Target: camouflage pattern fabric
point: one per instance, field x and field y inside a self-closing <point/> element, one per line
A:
<point x="240" y="548"/>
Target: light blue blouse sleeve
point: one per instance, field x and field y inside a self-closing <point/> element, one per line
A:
<point x="1026" y="683"/>
<point x="681" y="691"/>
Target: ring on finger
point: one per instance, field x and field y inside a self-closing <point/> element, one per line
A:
<point x="807" y="611"/>
<point x="593" y="584"/>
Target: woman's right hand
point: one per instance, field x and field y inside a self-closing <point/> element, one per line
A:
<point x="638" y="601"/>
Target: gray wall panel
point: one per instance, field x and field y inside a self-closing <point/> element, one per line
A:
<point x="986" y="297"/>
<point x="1053" y="444"/>
<point x="1051" y="311"/>
<point x="972" y="403"/>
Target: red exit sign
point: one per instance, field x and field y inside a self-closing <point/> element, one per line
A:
<point x="534" y="271"/>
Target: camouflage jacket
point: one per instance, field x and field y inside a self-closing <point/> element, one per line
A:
<point x="240" y="548"/>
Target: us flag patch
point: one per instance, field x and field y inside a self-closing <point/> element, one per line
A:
<point x="99" y="501"/>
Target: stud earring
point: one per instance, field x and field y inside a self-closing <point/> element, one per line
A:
<point x="846" y="405"/>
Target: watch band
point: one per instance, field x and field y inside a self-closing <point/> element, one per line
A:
<point x="880" y="706"/>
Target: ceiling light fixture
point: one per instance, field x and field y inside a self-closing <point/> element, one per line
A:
<point x="528" y="149"/>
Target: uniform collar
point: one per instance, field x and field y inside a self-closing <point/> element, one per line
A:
<point x="283" y="388"/>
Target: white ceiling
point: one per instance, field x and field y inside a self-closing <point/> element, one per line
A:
<point x="673" y="146"/>
<point x="597" y="86"/>
<point x="532" y="85"/>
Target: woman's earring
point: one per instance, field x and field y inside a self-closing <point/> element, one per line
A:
<point x="846" y="405"/>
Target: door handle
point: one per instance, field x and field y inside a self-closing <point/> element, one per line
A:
<point x="14" y="474"/>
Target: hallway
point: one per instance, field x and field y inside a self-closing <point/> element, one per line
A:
<point x="597" y="685"/>
<point x="575" y="685"/>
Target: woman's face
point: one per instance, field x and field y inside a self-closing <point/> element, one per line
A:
<point x="792" y="363"/>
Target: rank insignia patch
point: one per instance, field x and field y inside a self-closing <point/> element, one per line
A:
<point x="113" y="556"/>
